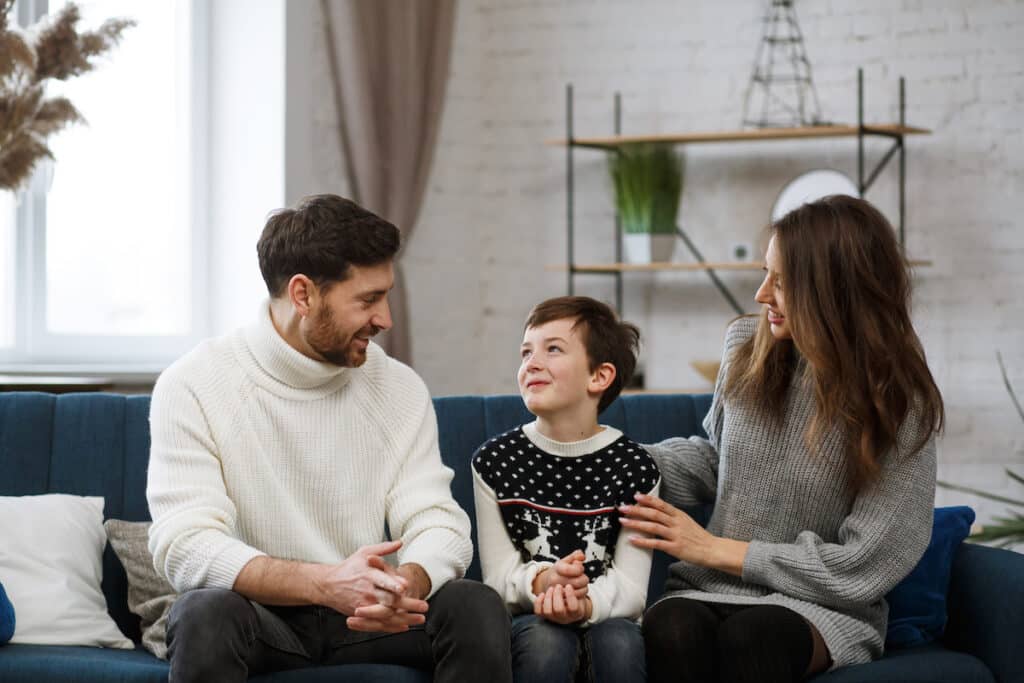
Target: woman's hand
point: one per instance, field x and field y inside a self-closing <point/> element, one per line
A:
<point x="560" y="605"/>
<point x="568" y="572"/>
<point x="671" y="530"/>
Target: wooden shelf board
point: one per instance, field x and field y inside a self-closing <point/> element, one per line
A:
<point x="752" y="135"/>
<point x="663" y="266"/>
<point x="658" y="266"/>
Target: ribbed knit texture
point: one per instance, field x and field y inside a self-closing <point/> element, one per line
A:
<point x="814" y="547"/>
<point x="257" y="449"/>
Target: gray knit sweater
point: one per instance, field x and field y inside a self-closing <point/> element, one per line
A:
<point x="826" y="554"/>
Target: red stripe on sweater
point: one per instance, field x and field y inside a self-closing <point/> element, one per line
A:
<point x="548" y="508"/>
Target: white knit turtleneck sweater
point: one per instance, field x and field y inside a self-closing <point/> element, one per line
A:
<point x="258" y="449"/>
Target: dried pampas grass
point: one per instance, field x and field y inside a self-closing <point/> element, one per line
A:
<point x="57" y="51"/>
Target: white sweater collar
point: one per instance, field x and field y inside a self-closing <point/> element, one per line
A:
<point x="571" y="449"/>
<point x="284" y="365"/>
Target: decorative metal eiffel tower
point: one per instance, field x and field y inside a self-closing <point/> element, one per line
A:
<point x="781" y="93"/>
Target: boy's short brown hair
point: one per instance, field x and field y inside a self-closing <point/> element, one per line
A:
<point x="606" y="338"/>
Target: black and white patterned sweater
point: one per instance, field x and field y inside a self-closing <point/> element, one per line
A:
<point x="538" y="500"/>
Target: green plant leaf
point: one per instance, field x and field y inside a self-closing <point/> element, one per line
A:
<point x="1006" y="530"/>
<point x="978" y="492"/>
<point x="1013" y="475"/>
<point x="1009" y="387"/>
<point x="648" y="182"/>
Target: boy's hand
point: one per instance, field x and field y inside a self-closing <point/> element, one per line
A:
<point x="568" y="571"/>
<point x="560" y="605"/>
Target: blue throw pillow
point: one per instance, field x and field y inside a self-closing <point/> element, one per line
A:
<point x="6" y="617"/>
<point x="917" y="605"/>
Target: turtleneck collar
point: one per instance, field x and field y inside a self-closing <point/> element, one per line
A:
<point x="571" y="449"/>
<point x="285" y="368"/>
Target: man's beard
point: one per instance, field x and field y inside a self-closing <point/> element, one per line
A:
<point x="335" y="349"/>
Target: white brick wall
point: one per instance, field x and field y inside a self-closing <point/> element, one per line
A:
<point x="495" y="210"/>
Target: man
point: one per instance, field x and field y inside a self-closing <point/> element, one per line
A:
<point x="282" y="451"/>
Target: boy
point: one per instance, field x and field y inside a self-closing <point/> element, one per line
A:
<point x="547" y="495"/>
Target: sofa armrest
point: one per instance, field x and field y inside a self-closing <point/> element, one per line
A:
<point x="986" y="608"/>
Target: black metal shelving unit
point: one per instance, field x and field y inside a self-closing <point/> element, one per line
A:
<point x="865" y="178"/>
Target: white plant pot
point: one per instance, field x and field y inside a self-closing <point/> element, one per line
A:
<point x="643" y="247"/>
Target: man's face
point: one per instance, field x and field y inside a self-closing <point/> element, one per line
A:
<point x="342" y="321"/>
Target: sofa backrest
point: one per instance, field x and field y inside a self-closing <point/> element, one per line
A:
<point x="87" y="445"/>
<point x="98" y="445"/>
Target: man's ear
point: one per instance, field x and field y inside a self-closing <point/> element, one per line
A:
<point x="601" y="378"/>
<point x="303" y="293"/>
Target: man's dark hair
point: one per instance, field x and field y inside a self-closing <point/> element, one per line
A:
<point x="321" y="238"/>
<point x="606" y="338"/>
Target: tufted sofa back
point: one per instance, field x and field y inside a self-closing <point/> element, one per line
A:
<point x="98" y="445"/>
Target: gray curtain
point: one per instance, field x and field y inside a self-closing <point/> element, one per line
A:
<point x="389" y="66"/>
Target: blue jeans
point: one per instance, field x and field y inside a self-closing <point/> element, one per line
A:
<point x="609" y="652"/>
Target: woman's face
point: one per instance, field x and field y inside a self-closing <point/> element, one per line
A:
<point x="770" y="293"/>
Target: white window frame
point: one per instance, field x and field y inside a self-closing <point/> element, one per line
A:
<point x="36" y="348"/>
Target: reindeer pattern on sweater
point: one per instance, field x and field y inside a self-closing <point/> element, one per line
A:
<point x="552" y="505"/>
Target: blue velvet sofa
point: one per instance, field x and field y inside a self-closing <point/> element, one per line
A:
<point x="98" y="444"/>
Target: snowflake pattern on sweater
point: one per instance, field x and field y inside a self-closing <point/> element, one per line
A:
<point x="553" y="505"/>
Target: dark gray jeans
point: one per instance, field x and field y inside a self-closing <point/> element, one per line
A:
<point x="217" y="635"/>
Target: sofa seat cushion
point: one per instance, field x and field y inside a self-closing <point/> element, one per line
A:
<point x="62" y="664"/>
<point x="926" y="664"/>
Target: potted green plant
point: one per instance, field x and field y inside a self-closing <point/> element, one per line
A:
<point x="648" y="182"/>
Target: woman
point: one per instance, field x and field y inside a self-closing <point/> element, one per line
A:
<point x="820" y="462"/>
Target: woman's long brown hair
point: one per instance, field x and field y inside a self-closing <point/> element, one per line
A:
<point x="847" y="297"/>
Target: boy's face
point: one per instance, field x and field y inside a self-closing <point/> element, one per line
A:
<point x="555" y="372"/>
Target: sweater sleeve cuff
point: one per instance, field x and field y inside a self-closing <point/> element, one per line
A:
<point x="224" y="569"/>
<point x="444" y="555"/>
<point x="437" y="570"/>
<point x="757" y="564"/>
<point x="526" y="594"/>
<point x="598" y="609"/>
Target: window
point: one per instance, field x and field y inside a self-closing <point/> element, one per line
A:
<point x="106" y="242"/>
<point x="8" y="219"/>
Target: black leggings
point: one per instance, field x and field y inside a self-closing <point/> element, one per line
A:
<point x="692" y="641"/>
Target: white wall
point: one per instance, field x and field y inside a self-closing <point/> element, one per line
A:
<point x="494" y="213"/>
<point x="313" y="160"/>
<point x="246" y="149"/>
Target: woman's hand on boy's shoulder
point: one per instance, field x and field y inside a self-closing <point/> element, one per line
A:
<point x="665" y="527"/>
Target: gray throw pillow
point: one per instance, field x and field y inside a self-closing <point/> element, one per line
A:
<point x="149" y="595"/>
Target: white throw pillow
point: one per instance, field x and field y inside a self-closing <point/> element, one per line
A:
<point x="51" y="563"/>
